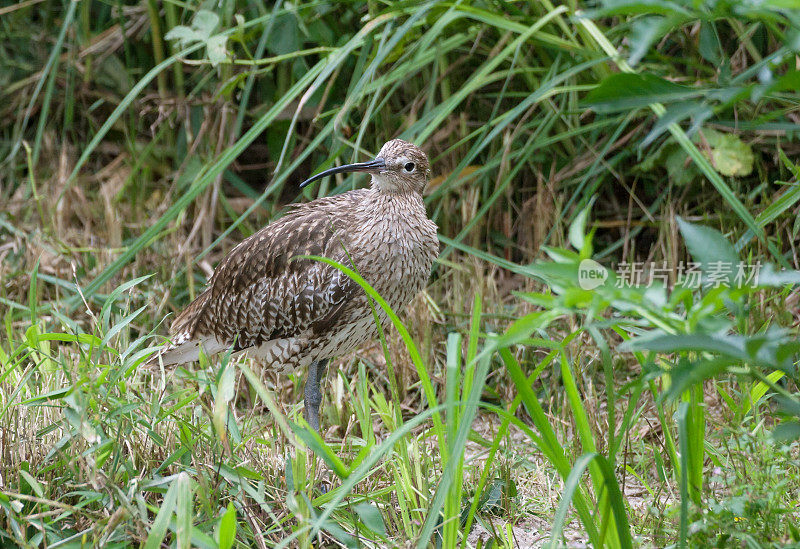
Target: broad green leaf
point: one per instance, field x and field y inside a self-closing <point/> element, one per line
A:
<point x="688" y="374"/>
<point x="708" y="247"/>
<point x="215" y="47"/>
<point x="84" y="339"/>
<point x="205" y="22"/>
<point x="33" y="483"/>
<point x="203" y="26"/>
<point x="636" y="7"/>
<point x="729" y="155"/>
<point x="226" y="529"/>
<point x="626" y="91"/>
<point x="668" y="343"/>
<point x="768" y="276"/>
<point x="226" y="387"/>
<point x="286" y="35"/>
<point x="492" y="497"/>
<point x="645" y="32"/>
<point x="184" y="35"/>
<point x="340" y="535"/>
<point x="709" y="45"/>
<point x="787" y="431"/>
<point x="681" y="170"/>
<point x="56" y="394"/>
<point x="371" y="517"/>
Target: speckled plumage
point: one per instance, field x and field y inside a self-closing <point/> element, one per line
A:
<point x="290" y="312"/>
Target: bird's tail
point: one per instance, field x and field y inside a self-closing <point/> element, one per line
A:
<point x="186" y="351"/>
<point x="185" y="341"/>
<point x="185" y="324"/>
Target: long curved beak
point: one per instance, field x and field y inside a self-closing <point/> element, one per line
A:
<point x="373" y="166"/>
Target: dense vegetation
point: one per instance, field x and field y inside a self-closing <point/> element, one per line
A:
<point x="511" y="403"/>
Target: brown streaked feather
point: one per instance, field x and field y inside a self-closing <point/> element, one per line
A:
<point x="265" y="290"/>
<point x="290" y="310"/>
<point x="186" y="320"/>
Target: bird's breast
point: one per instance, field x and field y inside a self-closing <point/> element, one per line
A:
<point x="396" y="254"/>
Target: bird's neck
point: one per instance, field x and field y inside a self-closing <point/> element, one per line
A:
<point x="393" y="187"/>
<point x="397" y="198"/>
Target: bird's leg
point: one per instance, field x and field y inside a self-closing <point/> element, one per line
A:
<point x="312" y="395"/>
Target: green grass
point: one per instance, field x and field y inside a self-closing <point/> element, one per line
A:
<point x="507" y="406"/>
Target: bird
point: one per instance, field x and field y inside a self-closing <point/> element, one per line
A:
<point x="268" y="298"/>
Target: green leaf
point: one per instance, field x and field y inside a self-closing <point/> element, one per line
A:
<point x="56" y="394"/>
<point x="708" y="247"/>
<point x="340" y="535"/>
<point x="680" y="169"/>
<point x="758" y="390"/>
<point x="708" y="43"/>
<point x="286" y="35"/>
<point x="492" y="497"/>
<point x="34" y="484"/>
<point x="572" y="489"/>
<point x="226" y="529"/>
<point x="769" y="277"/>
<point x="634" y="7"/>
<point x="322" y="450"/>
<point x="645" y="32"/>
<point x="105" y="312"/>
<point x="203" y="26"/>
<point x="159" y="527"/>
<point x="215" y="48"/>
<point x="788" y="431"/>
<point x="729" y="154"/>
<point x="676" y="113"/>
<point x="184" y="511"/>
<point x="626" y="91"/>
<point x="371" y="517"/>
<point x="226" y="389"/>
<point x="577" y="231"/>
<point x="205" y="22"/>
<point x="668" y="343"/>
<point x="184" y="35"/>
<point x="119" y="326"/>
<point x="689" y="373"/>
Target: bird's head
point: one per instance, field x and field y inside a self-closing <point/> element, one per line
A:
<point x="400" y="167"/>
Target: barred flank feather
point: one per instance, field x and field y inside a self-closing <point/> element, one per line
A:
<point x="183" y="326"/>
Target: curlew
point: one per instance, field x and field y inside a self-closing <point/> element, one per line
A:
<point x="292" y="312"/>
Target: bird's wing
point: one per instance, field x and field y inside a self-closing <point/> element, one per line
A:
<point x="259" y="292"/>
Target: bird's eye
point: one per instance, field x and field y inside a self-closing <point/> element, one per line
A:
<point x="409" y="167"/>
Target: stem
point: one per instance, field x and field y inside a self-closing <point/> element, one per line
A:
<point x="177" y="69"/>
<point x="87" y="34"/>
<point x="158" y="45"/>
